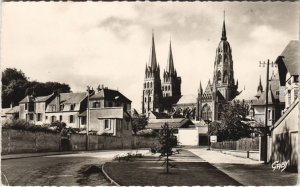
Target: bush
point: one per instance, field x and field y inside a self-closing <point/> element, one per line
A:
<point x="19" y="124"/>
<point x="147" y="133"/>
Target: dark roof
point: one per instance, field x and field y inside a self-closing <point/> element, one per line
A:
<point x="160" y="115"/>
<point x="291" y="57"/>
<point x="43" y="98"/>
<point x="72" y="98"/>
<point x="27" y="99"/>
<point x="173" y="123"/>
<point x="109" y="94"/>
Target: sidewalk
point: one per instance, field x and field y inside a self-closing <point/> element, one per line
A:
<point x="246" y="171"/>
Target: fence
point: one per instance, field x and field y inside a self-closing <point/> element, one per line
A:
<point x="20" y="141"/>
<point x="245" y="144"/>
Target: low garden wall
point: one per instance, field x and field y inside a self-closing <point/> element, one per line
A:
<point x="20" y="141"/>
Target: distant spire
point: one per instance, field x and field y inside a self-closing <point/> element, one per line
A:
<point x="170" y="63"/>
<point x="152" y="59"/>
<point x="260" y="86"/>
<point x="200" y="88"/>
<point x="224" y="29"/>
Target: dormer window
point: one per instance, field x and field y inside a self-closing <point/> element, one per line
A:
<point x="72" y="107"/>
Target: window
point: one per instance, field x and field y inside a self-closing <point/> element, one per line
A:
<point x="106" y="124"/>
<point x="144" y="85"/>
<point x="39" y="117"/>
<point x="162" y="88"/>
<point x="150" y="84"/>
<point x="60" y="118"/>
<point x="296" y="78"/>
<point x="96" y="104"/>
<point x="52" y="108"/>
<point x="277" y="92"/>
<point x="71" y="118"/>
<point x="72" y="107"/>
<point x="219" y="77"/>
<point x="83" y="120"/>
<point x="53" y="118"/>
<point x="61" y="108"/>
<point x="149" y="99"/>
<point x="225" y="79"/>
<point x="169" y="87"/>
<point x="46" y="117"/>
<point x="30" y="116"/>
<point x="147" y="84"/>
<point x="145" y="99"/>
<point x="26" y="106"/>
<point x="296" y="94"/>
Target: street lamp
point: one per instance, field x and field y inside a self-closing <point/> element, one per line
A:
<point x="266" y="130"/>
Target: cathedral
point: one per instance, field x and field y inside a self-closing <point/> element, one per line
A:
<point x="208" y="104"/>
<point x="157" y="96"/>
<point x="222" y="88"/>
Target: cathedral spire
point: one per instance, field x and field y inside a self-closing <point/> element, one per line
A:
<point x="200" y="88"/>
<point x="260" y="87"/>
<point x="170" y="64"/>
<point x="224" y="29"/>
<point x="152" y="59"/>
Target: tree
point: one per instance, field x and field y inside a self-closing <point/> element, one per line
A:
<point x="15" y="86"/>
<point x="167" y="141"/>
<point x="139" y="123"/>
<point x="232" y="125"/>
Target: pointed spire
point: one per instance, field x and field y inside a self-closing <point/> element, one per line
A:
<point x="200" y="88"/>
<point x="260" y="86"/>
<point x="152" y="59"/>
<point x="224" y="29"/>
<point x="170" y="64"/>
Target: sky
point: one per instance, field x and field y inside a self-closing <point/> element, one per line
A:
<point x="93" y="43"/>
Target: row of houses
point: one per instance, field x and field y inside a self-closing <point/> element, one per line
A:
<point x="105" y="112"/>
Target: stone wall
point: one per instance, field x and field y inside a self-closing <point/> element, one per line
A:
<point x="19" y="141"/>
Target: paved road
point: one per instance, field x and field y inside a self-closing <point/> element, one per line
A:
<point x="70" y="169"/>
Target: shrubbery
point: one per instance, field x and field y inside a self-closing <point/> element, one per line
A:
<point x="147" y="133"/>
<point x="19" y="124"/>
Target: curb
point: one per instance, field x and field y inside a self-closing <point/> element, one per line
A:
<point x="41" y="155"/>
<point x="108" y="177"/>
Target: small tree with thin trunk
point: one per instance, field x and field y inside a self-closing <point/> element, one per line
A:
<point x="167" y="141"/>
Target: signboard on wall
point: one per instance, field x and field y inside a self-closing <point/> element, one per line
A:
<point x="213" y="139"/>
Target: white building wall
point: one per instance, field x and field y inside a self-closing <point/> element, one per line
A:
<point x="188" y="136"/>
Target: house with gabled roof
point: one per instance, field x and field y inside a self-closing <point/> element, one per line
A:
<point x="109" y="113"/>
<point x="66" y="107"/>
<point x="275" y="104"/>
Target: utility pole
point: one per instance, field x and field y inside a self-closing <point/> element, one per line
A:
<point x="266" y="130"/>
<point x="87" y="118"/>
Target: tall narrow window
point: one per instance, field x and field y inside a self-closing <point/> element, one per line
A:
<point x="106" y="124"/>
<point x="71" y="118"/>
<point x="219" y="77"/>
<point x="72" y="107"/>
